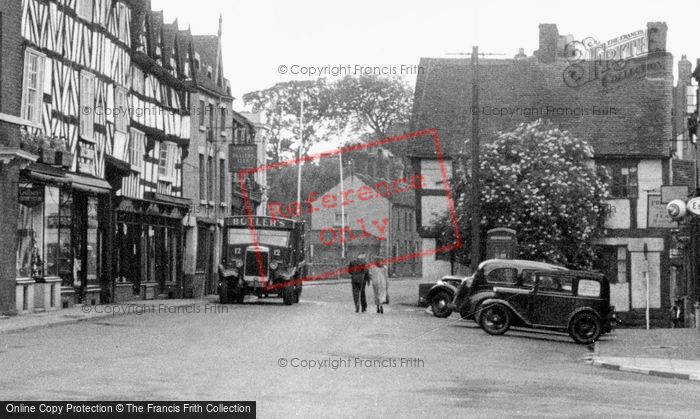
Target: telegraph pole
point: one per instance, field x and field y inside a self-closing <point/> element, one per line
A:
<point x="476" y="213"/>
<point x="475" y="202"/>
<point x="301" y="145"/>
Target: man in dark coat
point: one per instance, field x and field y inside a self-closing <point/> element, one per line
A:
<point x="359" y="278"/>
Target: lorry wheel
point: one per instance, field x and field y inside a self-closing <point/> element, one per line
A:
<point x="239" y="298"/>
<point x="297" y="293"/>
<point x="288" y="296"/>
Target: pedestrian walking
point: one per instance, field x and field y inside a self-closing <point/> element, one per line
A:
<point x="677" y="314"/>
<point x="359" y="277"/>
<point x="380" y="284"/>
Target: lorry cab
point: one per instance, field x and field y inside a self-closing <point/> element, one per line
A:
<point x="262" y="256"/>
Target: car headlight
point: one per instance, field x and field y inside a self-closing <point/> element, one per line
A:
<point x="274" y="265"/>
<point x="239" y="263"/>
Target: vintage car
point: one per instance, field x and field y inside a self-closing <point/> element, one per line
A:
<point x="442" y="293"/>
<point x="491" y="273"/>
<point x="576" y="302"/>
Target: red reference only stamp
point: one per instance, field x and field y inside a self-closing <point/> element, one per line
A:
<point x="315" y="237"/>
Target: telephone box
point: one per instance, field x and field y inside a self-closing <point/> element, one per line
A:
<point x="501" y="243"/>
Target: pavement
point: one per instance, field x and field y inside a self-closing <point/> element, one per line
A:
<point x="671" y="353"/>
<point x="81" y="312"/>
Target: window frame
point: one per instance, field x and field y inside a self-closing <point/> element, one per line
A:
<point x="166" y="171"/>
<point x="487" y="277"/>
<point x="222" y="181"/>
<point x="630" y="188"/>
<point x="87" y="117"/>
<point x="121" y="117"/>
<point x="80" y="9"/>
<point x="202" y="178"/>
<point x="136" y="156"/>
<point x="40" y="74"/>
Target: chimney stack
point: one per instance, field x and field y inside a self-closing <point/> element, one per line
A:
<point x="656" y="33"/>
<point x="549" y="38"/>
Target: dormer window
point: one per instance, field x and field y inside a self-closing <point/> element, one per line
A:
<point x="196" y="61"/>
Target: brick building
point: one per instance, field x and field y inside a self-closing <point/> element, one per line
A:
<point x="207" y="179"/>
<point x="622" y="108"/>
<point x="94" y="124"/>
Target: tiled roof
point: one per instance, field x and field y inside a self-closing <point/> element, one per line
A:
<point x="641" y="126"/>
<point x="207" y="46"/>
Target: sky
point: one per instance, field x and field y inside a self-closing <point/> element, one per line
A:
<point x="260" y="36"/>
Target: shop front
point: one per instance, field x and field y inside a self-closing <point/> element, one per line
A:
<point x="148" y="247"/>
<point x="60" y="231"/>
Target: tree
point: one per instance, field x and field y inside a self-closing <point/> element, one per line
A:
<point x="372" y="104"/>
<point x="540" y="181"/>
<point x="281" y="106"/>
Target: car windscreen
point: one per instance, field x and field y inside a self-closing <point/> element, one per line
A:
<point x="265" y="237"/>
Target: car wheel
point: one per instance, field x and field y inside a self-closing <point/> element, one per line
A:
<point x="439" y="304"/>
<point x="585" y="328"/>
<point x="495" y="319"/>
<point x="288" y="296"/>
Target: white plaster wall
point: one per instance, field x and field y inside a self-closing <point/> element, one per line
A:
<point x="649" y="177"/>
<point x="433" y="269"/>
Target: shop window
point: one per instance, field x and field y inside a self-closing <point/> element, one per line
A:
<point x="30" y="231"/>
<point x="93" y="241"/>
<point x="32" y="86"/>
<point x="58" y="213"/>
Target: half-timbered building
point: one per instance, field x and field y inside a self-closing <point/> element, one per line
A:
<point x="94" y="123"/>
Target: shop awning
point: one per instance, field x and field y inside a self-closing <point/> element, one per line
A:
<point x="45" y="173"/>
<point x="88" y="184"/>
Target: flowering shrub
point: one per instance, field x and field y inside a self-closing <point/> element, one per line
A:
<point x="541" y="182"/>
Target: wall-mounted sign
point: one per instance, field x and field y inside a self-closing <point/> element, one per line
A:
<point x="241" y="157"/>
<point x="657" y="214"/>
<point x="30" y="196"/>
<point x="693" y="206"/>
